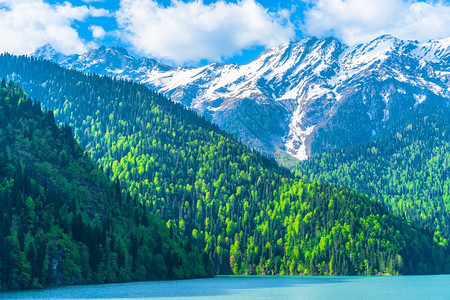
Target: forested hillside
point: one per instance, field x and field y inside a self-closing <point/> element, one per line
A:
<point x="409" y="171"/>
<point x="62" y="221"/>
<point x="249" y="215"/>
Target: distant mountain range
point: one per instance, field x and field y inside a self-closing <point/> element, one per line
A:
<point x="300" y="98"/>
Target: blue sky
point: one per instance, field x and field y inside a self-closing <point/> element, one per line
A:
<point x="195" y="32"/>
<point x="244" y="55"/>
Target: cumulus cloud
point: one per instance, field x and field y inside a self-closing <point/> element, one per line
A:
<point x="26" y="25"/>
<point x="97" y="31"/>
<point x="358" y="21"/>
<point x="189" y="32"/>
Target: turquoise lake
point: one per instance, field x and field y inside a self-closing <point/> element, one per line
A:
<point x="257" y="287"/>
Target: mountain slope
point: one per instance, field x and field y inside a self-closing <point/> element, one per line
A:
<point x="299" y="98"/>
<point x="409" y="171"/>
<point x="247" y="213"/>
<point x="62" y="220"/>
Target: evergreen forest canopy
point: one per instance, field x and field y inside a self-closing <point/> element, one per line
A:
<point x="409" y="171"/>
<point x="352" y="123"/>
<point x="62" y="220"/>
<point x="248" y="214"/>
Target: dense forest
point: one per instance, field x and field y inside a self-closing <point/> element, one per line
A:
<point x="409" y="171"/>
<point x="248" y="214"/>
<point x="365" y="115"/>
<point x="62" y="221"/>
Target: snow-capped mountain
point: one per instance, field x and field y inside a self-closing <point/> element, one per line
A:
<point x="302" y="97"/>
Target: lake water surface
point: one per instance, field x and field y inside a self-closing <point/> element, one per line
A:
<point x="257" y="287"/>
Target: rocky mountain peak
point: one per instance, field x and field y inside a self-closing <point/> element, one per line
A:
<point x="301" y="97"/>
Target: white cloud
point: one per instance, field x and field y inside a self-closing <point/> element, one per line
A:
<point x="358" y="21"/>
<point x="189" y="32"/>
<point x="26" y="25"/>
<point x="97" y="31"/>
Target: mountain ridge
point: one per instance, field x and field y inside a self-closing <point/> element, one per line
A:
<point x="290" y="99"/>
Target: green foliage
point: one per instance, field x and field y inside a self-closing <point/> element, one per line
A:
<point x="409" y="171"/>
<point x="63" y="221"/>
<point x="364" y="114"/>
<point x="248" y="214"/>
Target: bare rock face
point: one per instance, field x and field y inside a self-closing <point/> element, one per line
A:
<point x="300" y="98"/>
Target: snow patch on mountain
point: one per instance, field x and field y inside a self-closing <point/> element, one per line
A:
<point x="284" y="98"/>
